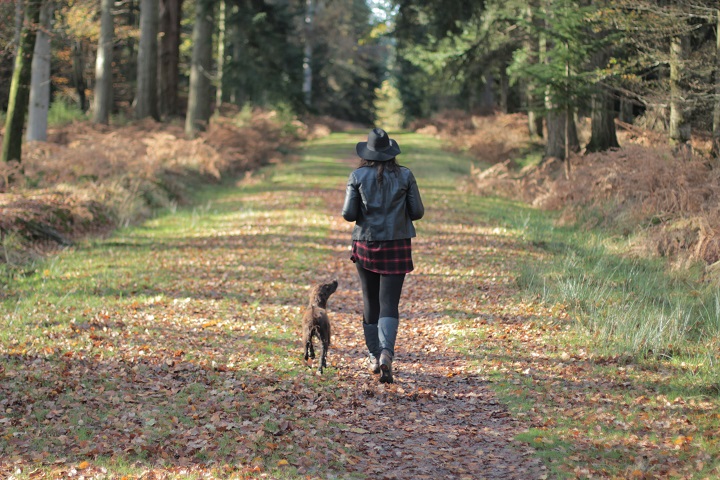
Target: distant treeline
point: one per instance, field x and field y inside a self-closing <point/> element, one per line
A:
<point x="656" y="62"/>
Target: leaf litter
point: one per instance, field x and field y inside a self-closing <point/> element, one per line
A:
<point x="193" y="367"/>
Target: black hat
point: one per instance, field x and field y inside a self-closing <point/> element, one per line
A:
<point x="379" y="147"/>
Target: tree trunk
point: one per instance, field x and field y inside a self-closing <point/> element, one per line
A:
<point x="40" y="79"/>
<point x="220" y="56"/>
<point x="558" y="129"/>
<point x="20" y="85"/>
<point x="533" y="48"/>
<point x="568" y="122"/>
<point x="487" y="97"/>
<point x="78" y="64"/>
<point x="170" y="16"/>
<point x="716" y="110"/>
<point x="626" y="110"/>
<point x="236" y="43"/>
<point x="556" y="116"/>
<point x="679" y="126"/>
<point x="146" y="104"/>
<point x="103" y="65"/>
<point x="19" y="14"/>
<point x="198" y="112"/>
<point x="308" y="52"/>
<point x="535" y="124"/>
<point x="603" y="136"/>
<point x="130" y="52"/>
<point x="569" y="119"/>
<point x="555" y="146"/>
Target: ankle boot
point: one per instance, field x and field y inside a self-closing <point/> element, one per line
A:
<point x="372" y="342"/>
<point x="373" y="364"/>
<point x="386" y="375"/>
<point x="387" y="333"/>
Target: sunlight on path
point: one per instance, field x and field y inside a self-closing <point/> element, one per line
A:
<point x="437" y="420"/>
<point x="172" y="349"/>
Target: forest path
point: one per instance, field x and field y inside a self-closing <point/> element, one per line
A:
<point x="439" y="419"/>
<point x="172" y="349"/>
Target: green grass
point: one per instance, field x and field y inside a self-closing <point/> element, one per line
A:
<point x="201" y="303"/>
<point x="627" y="305"/>
<point x="606" y="357"/>
<point x="611" y="356"/>
<point x="62" y="113"/>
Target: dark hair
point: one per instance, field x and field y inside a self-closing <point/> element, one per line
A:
<point x="389" y="165"/>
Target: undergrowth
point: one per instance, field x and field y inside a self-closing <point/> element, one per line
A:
<point x="629" y="306"/>
<point x="62" y="113"/>
<point x="91" y="178"/>
<point x="631" y="247"/>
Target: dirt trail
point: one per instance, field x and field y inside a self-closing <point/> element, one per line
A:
<point x="174" y="348"/>
<point x="439" y="419"/>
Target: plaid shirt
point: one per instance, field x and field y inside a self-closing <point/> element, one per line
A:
<point x="390" y="257"/>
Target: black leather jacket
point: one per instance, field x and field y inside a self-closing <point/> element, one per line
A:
<point x="382" y="211"/>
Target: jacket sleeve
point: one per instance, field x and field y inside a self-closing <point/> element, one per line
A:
<point x="351" y="208"/>
<point x="415" y="207"/>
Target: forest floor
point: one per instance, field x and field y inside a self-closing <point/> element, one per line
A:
<point x="172" y="350"/>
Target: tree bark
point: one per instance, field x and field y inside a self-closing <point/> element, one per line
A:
<point x="78" y="64"/>
<point x="220" y="56"/>
<point x="236" y="43"/>
<point x="487" y="97"/>
<point x="626" y="110"/>
<point x="558" y="128"/>
<point x="198" y="112"/>
<point x="103" y="65"/>
<point x="19" y="15"/>
<point x="716" y="110"/>
<point x="555" y="145"/>
<point x="679" y="126"/>
<point x="569" y="118"/>
<point x="20" y="85"/>
<point x="308" y="52"/>
<point x="40" y="79"/>
<point x="533" y="103"/>
<point x="560" y="120"/>
<point x="170" y="16"/>
<point x="146" y="104"/>
<point x="604" y="136"/>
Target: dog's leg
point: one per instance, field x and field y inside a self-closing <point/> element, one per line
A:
<point x="324" y="336"/>
<point x="307" y="338"/>
<point x="323" y="362"/>
<point x="310" y="347"/>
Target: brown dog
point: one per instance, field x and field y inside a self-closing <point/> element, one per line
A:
<point x="316" y="322"/>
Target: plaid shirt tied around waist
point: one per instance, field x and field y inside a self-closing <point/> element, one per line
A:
<point x="392" y="257"/>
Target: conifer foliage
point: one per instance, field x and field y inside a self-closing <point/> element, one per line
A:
<point x="643" y="61"/>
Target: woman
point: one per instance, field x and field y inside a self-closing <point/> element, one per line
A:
<point x="382" y="198"/>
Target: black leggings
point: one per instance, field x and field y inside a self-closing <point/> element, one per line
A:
<point x="381" y="294"/>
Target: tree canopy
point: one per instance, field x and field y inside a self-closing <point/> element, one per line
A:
<point x="646" y="61"/>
